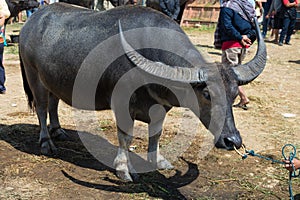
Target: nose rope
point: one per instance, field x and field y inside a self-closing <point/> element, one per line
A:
<point x="245" y="153"/>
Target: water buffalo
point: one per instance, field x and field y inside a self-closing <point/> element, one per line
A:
<point x="16" y="6"/>
<point x="56" y="64"/>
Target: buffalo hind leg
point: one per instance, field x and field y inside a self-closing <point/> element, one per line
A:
<point x="122" y="163"/>
<point x="41" y="105"/>
<point x="40" y="101"/>
<point x="154" y="156"/>
<point x="55" y="130"/>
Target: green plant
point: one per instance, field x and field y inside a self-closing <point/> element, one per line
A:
<point x="12" y="49"/>
<point x="206" y="28"/>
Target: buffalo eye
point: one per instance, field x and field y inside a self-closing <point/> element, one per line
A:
<point x="206" y="94"/>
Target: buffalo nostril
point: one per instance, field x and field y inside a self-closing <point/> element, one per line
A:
<point x="228" y="143"/>
<point x="231" y="142"/>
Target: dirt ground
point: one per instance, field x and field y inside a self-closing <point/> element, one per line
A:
<point x="271" y="122"/>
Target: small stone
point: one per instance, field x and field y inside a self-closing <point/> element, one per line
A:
<point x="9" y="188"/>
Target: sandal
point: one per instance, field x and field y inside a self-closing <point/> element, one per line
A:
<point x="243" y="106"/>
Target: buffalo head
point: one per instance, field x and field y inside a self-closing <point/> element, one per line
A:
<point x="215" y="113"/>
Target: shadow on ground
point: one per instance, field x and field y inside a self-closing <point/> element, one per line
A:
<point x="295" y="61"/>
<point x="297" y="197"/>
<point x="24" y="137"/>
<point x="218" y="53"/>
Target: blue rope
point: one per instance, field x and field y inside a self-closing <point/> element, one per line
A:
<point x="292" y="155"/>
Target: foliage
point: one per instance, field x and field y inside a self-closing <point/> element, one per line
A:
<point x="11" y="49"/>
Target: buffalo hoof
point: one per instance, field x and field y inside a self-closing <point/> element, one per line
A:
<point x="48" y="148"/>
<point x="164" y="164"/>
<point x="161" y="162"/>
<point x="59" y="134"/>
<point x="124" y="175"/>
<point x="135" y="176"/>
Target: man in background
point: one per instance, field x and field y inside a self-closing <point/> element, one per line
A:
<point x="170" y="8"/>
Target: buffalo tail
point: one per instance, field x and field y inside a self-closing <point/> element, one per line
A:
<point x="26" y="87"/>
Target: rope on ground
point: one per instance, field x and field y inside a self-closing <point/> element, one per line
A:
<point x="291" y="156"/>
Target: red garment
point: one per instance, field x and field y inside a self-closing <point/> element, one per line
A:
<point x="2" y="38"/>
<point x="232" y="44"/>
<point x="287" y="1"/>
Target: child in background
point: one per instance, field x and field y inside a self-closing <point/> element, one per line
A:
<point x="4" y="14"/>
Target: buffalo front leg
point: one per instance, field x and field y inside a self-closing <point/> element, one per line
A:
<point x="55" y="130"/>
<point x="154" y="156"/>
<point x="122" y="163"/>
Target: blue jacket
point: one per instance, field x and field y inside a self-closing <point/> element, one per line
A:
<point x="170" y="7"/>
<point x="233" y="26"/>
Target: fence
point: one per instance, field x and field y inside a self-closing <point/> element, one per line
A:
<point x="200" y="12"/>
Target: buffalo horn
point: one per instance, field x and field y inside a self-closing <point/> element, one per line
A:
<point x="158" y="69"/>
<point x="249" y="71"/>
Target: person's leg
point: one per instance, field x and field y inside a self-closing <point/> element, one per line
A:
<point x="272" y="33"/>
<point x="20" y="17"/>
<point x="244" y="99"/>
<point x="266" y="22"/>
<point x="290" y="31"/>
<point x="271" y="28"/>
<point x="232" y="57"/>
<point x="285" y="25"/>
<point x="276" y="26"/>
<point x="242" y="94"/>
<point x="99" y="5"/>
<point x="276" y="35"/>
<point x="2" y="70"/>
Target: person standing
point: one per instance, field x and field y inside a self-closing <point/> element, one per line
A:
<point x="266" y="20"/>
<point x="275" y="12"/>
<point x="289" y="15"/>
<point x="4" y="14"/>
<point x="170" y="8"/>
<point x="238" y="34"/>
